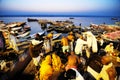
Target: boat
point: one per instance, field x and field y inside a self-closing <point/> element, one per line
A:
<point x="2" y="25"/>
<point x="27" y="28"/>
<point x="114" y="18"/>
<point x="23" y="34"/>
<point x="1" y="21"/>
<point x="30" y="20"/>
<point x="57" y="35"/>
<point x="40" y="33"/>
<point x="11" y="25"/>
<point x="59" y="28"/>
<point x="62" y="29"/>
<point x="18" y="66"/>
<point x="117" y="23"/>
<point x="35" y="42"/>
<point x="17" y="61"/>
<point x="50" y="28"/>
<point x="16" y="28"/>
<point x="2" y="42"/>
<point x="13" y="43"/>
<point x="43" y="25"/>
<point x="71" y="18"/>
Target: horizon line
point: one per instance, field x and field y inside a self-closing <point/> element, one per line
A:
<point x="56" y="16"/>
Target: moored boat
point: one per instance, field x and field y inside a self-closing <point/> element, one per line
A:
<point x="40" y="33"/>
<point x="57" y="35"/>
<point x="30" y="19"/>
<point x="63" y="29"/>
<point x="71" y="18"/>
<point x="50" y="28"/>
<point x="114" y="18"/>
<point x="27" y="28"/>
<point x="16" y="28"/>
<point x="2" y="42"/>
<point x="18" y="66"/>
<point x="23" y="34"/>
<point x="117" y="23"/>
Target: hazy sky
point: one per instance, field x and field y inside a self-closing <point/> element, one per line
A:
<point x="95" y="7"/>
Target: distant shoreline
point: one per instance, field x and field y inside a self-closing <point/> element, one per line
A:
<point x="54" y="16"/>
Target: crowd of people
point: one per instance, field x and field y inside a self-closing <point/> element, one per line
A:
<point x="75" y="58"/>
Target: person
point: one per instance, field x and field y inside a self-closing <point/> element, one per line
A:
<point x="73" y="61"/>
<point x="109" y="49"/>
<point x="73" y="74"/>
<point x="56" y="65"/>
<point x="108" y="69"/>
<point x="65" y="45"/>
<point x="50" y="38"/>
<point x="50" y="35"/>
<point x="118" y="45"/>
<point x="37" y="37"/>
<point x="46" y="70"/>
<point x="56" y="62"/>
<point x="91" y="41"/>
<point x="2" y="42"/>
<point x="79" y="45"/>
<point x="35" y="54"/>
<point x="70" y="38"/>
<point x="94" y="67"/>
<point x="46" y="44"/>
<point x="100" y="42"/>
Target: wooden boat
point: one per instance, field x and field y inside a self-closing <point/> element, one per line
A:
<point x="13" y="43"/>
<point x="117" y="23"/>
<point x="62" y="29"/>
<point x="71" y="18"/>
<point x="76" y="30"/>
<point x="2" y="25"/>
<point x="50" y="28"/>
<point x="43" y="25"/>
<point x="114" y="18"/>
<point x="18" y="66"/>
<point x="17" y="61"/>
<point x="1" y="21"/>
<point x="59" y="28"/>
<point x="11" y="25"/>
<point x="30" y="20"/>
<point x="57" y="35"/>
<point x="2" y="42"/>
<point x="35" y="42"/>
<point x="23" y="34"/>
<point x="16" y="28"/>
<point x="40" y="33"/>
<point x="27" y="28"/>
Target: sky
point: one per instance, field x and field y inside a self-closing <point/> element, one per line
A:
<point x="60" y="7"/>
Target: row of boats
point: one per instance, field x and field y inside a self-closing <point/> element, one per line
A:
<point x="23" y="57"/>
<point x="58" y="26"/>
<point x="17" y="61"/>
